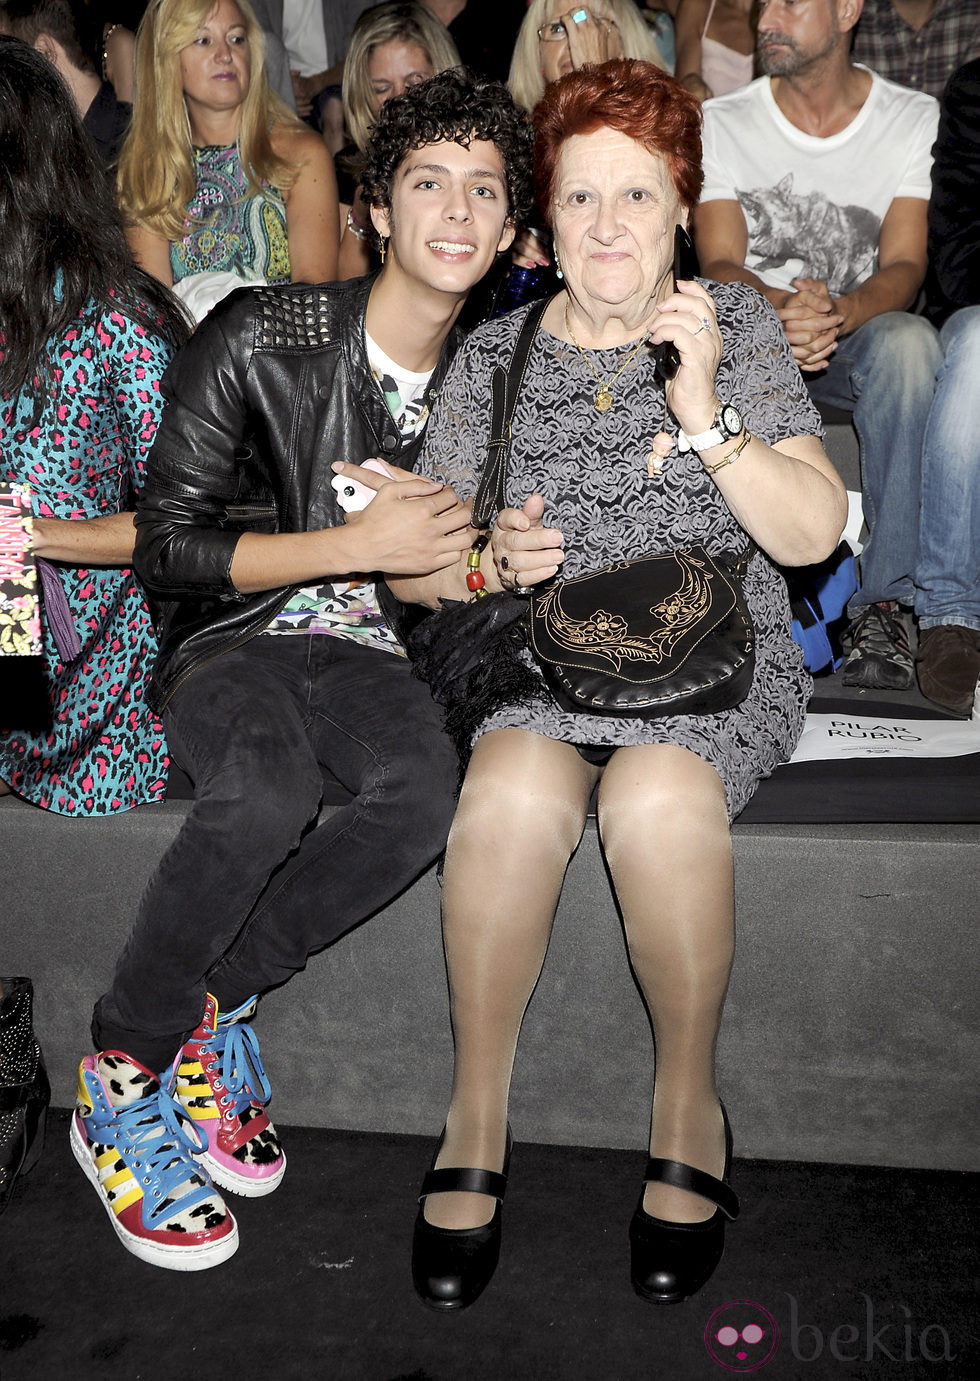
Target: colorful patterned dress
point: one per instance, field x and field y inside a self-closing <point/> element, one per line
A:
<point x="96" y="749"/>
<point x="231" y="228"/>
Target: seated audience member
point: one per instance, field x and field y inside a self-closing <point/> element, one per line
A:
<point x="120" y="20"/>
<point x="216" y="174"/>
<point x="715" y="45"/>
<point x="314" y="37"/>
<point x="917" y="43"/>
<point x="954" y="211"/>
<point x="24" y="1088"/>
<point x="817" y="183"/>
<point x="86" y="338"/>
<point x="948" y="576"/>
<point x="394" y="47"/>
<point x="62" y="30"/>
<point x="596" y="476"/>
<point x="555" y="39"/>
<point x="483" y="34"/>
<point x="278" y="666"/>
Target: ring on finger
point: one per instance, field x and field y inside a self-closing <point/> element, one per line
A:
<point x="705" y="325"/>
<point x="504" y="564"/>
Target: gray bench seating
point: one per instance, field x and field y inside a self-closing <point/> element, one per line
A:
<point x="850" y="1033"/>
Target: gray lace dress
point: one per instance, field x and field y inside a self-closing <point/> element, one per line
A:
<point x="591" y="468"/>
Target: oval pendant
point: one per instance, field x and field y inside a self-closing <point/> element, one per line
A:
<point x="603" y="399"/>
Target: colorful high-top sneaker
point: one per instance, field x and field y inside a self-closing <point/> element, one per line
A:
<point x="215" y="1086"/>
<point x="137" y="1147"/>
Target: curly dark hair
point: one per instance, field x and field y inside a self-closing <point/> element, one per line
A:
<point x="457" y="107"/>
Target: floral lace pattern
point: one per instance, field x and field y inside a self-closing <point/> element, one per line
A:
<point x="592" y="470"/>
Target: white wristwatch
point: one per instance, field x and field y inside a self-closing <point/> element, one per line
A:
<point x="728" y="423"/>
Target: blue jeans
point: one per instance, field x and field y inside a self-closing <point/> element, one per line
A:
<point x="885" y="373"/>
<point x="948" y="574"/>
<point x="255" y="881"/>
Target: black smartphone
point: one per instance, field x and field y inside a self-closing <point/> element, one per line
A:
<point x="665" y="355"/>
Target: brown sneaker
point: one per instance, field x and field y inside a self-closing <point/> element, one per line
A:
<point x="949" y="665"/>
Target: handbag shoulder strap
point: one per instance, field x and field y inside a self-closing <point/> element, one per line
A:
<point x="505" y="387"/>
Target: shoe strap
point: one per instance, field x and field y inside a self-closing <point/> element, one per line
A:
<point x="461" y="1180"/>
<point x="681" y="1176"/>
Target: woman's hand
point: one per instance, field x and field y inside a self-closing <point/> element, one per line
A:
<point x="524" y="550"/>
<point x="591" y="39"/>
<point x="527" y="251"/>
<point x="687" y="318"/>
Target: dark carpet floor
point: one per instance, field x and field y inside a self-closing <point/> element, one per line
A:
<point x="866" y="1273"/>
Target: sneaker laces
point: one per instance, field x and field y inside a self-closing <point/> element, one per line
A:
<point x="155" y="1129"/>
<point x="879" y="630"/>
<point x="237" y="1046"/>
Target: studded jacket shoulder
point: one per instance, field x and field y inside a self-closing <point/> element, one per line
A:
<point x="272" y="387"/>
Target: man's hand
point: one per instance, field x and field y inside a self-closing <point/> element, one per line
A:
<point x="403" y="538"/>
<point x="524" y="551"/>
<point x="812" y="323"/>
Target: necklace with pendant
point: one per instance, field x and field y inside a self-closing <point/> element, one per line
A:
<point x="603" y="400"/>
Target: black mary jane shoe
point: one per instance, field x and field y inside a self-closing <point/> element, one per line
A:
<point x="669" y="1262"/>
<point x="451" y="1267"/>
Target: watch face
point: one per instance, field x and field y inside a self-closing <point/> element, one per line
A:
<point x="731" y="419"/>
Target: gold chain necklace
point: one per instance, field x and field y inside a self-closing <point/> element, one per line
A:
<point x="604" y="395"/>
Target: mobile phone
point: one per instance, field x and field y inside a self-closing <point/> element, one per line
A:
<point x="351" y="494"/>
<point x="665" y="355"/>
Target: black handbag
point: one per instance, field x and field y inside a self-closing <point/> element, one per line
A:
<point x="662" y="634"/>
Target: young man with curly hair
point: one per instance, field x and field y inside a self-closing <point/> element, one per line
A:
<point x="279" y="670"/>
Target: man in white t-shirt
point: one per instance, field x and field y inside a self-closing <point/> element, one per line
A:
<point x="817" y="184"/>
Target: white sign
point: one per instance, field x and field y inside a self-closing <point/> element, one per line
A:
<point x="841" y="736"/>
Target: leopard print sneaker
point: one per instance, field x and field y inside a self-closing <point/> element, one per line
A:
<point x="222" y="1085"/>
<point x="137" y="1147"/>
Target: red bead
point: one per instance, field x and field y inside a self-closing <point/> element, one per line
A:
<point x="474" y="580"/>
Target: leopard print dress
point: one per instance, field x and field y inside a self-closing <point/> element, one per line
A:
<point x="591" y="468"/>
<point x="80" y="741"/>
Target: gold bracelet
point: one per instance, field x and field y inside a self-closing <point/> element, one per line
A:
<point x="733" y="454"/>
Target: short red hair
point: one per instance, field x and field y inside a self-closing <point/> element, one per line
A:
<point x="633" y="97"/>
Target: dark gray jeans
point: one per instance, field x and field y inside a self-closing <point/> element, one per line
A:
<point x="254" y="883"/>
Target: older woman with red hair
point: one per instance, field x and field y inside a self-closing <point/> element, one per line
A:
<point x="599" y="471"/>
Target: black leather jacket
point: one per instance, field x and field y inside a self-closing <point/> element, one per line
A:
<point x="271" y="388"/>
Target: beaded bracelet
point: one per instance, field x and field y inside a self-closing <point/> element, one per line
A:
<point x="474" y="576"/>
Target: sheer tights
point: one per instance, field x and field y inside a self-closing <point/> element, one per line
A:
<point x="664" y="828"/>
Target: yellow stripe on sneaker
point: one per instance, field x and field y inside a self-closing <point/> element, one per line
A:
<point x="121" y="1204"/>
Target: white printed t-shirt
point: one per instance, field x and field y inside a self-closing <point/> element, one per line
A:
<point x="349" y="608"/>
<point x="814" y="206"/>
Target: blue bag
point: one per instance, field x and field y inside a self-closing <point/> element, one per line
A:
<point x="818" y="597"/>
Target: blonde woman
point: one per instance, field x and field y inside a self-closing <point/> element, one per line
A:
<point x="393" y="48"/>
<point x="557" y="37"/>
<point x="217" y="175"/>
